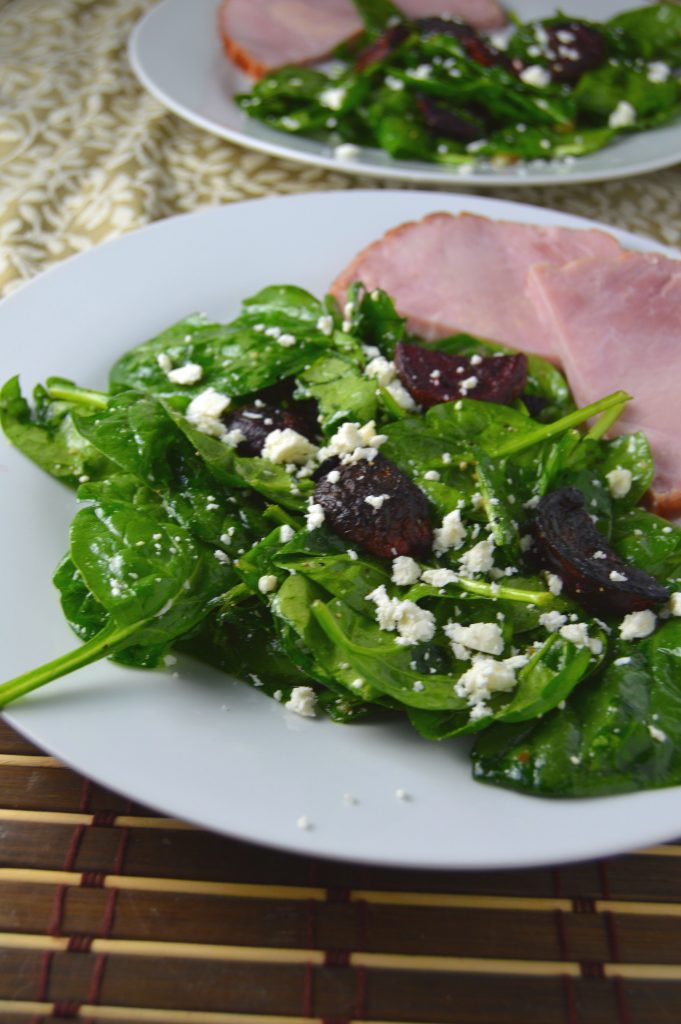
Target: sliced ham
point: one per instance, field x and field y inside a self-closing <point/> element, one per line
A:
<point x="616" y="323"/>
<point x="467" y="273"/>
<point x="261" y="35"/>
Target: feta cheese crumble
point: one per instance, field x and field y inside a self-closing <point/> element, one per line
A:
<point x="303" y="701"/>
<point x="637" y="625"/>
<point x="619" y="481"/>
<point x="164" y="361"/>
<point x="552" y="621"/>
<point x="657" y="734"/>
<point x="617" y="577"/>
<point x="438" y="577"/>
<point x="314" y="517"/>
<point x="325" y="324"/>
<point x="480" y="558"/>
<point x="333" y="98"/>
<point x="623" y="116"/>
<point x="535" y="75"/>
<point x="479" y="636"/>
<point x="431" y="474"/>
<point x="267" y="584"/>
<point x="478" y="683"/>
<point x="287" y="445"/>
<point x="205" y="411"/>
<point x="451" y="534"/>
<point x="406" y="571"/>
<point x="190" y="373"/>
<point x="413" y="624"/>
<point x="377" y="501"/>
<point x="353" y="442"/>
<point x="578" y="634"/>
<point x="346" y="151"/>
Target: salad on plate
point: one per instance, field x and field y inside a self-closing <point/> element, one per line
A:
<point x="361" y="524"/>
<point x="436" y="89"/>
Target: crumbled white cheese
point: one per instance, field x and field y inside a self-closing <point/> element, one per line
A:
<point x="622" y="661"/>
<point x="469" y="384"/>
<point x="221" y="557"/>
<point x="233" y="438"/>
<point x="286" y="533"/>
<point x="657" y="734"/>
<point x="439" y="577"/>
<point x="325" y="324"/>
<point x="377" y="500"/>
<point x="401" y="794"/>
<point x="637" y="625"/>
<point x="617" y="577"/>
<point x="352" y="555"/>
<point x="673" y="606"/>
<point x="479" y="636"/>
<point x="303" y="701"/>
<point x="623" y="116"/>
<point x="422" y="72"/>
<point x="332" y="98"/>
<point x="399" y="393"/>
<point x="190" y="373"/>
<point x="451" y="534"/>
<point x="658" y="72"/>
<point x="431" y="474"/>
<point x="286" y="340"/>
<point x="314" y="517"/>
<point x="406" y="571"/>
<point x="346" y="151"/>
<point x="413" y="624"/>
<point x="552" y="621"/>
<point x="333" y="476"/>
<point x="287" y="445"/>
<point x="532" y="502"/>
<point x="204" y="412"/>
<point x="304" y="822"/>
<point x="578" y="634"/>
<point x="266" y="584"/>
<point x="164" y="361"/>
<point x="353" y="442"/>
<point x="599" y="554"/>
<point x="485" y="677"/>
<point x="480" y="558"/>
<point x="619" y="481"/>
<point x="535" y="75"/>
<point x="381" y="369"/>
<point x="418" y="686"/>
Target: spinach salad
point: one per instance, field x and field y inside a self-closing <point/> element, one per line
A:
<point x="436" y="90"/>
<point x="226" y="471"/>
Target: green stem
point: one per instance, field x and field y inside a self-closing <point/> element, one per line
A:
<point x="336" y="634"/>
<point x="500" y="590"/>
<point x="64" y="390"/>
<point x="573" y="419"/>
<point x="100" y="646"/>
<point x="603" y="424"/>
<point x="276" y="514"/>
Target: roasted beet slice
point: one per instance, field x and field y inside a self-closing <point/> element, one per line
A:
<point x="256" y="421"/>
<point x="375" y="506"/>
<point x="570" y="546"/>
<point x="431" y="377"/>
<point x="381" y="47"/>
<point x="449" y="124"/>
<point x="576" y="48"/>
<point x="472" y="43"/>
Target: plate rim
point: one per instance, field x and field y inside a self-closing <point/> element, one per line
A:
<point x="420" y="173"/>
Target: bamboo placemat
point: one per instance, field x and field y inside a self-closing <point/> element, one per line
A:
<point x="109" y="912"/>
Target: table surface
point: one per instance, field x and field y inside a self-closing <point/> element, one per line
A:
<point x="109" y="912"/>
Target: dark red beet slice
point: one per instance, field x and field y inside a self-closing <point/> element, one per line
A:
<point x="400" y="526"/>
<point x="450" y="124"/>
<point x="474" y="45"/>
<point x="573" y="57"/>
<point x="567" y="541"/>
<point x="381" y="47"/>
<point x="256" y="421"/>
<point x="431" y="377"/>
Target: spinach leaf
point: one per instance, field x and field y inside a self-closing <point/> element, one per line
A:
<point x="341" y="391"/>
<point x="653" y="33"/>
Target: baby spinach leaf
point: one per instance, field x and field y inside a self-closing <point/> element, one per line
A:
<point x="341" y="391"/>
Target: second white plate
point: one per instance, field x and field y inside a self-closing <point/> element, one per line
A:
<point x="176" y="53"/>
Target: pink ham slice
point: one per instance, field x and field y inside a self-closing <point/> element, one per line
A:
<point x="616" y="323"/>
<point x="467" y="273"/>
<point x="260" y="35"/>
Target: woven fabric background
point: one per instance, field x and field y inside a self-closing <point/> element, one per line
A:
<point x="111" y="913"/>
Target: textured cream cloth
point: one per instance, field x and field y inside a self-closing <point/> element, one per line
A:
<point x="86" y="153"/>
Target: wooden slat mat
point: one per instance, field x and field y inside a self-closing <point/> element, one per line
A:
<point x="109" y="912"/>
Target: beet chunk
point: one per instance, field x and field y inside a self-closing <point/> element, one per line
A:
<point x="475" y="46"/>
<point x="574" y="56"/>
<point x="256" y="422"/>
<point x="449" y="124"/>
<point x="431" y="377"/>
<point x="382" y="46"/>
<point x="568" y="540"/>
<point x="397" y="525"/>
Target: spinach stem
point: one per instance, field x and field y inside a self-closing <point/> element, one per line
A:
<point x="65" y="391"/>
<point x="603" y="424"/>
<point x="573" y="419"/>
<point x="100" y="646"/>
<point x="496" y="591"/>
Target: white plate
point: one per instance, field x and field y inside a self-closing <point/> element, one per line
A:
<point x="175" y="52"/>
<point x="201" y="746"/>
